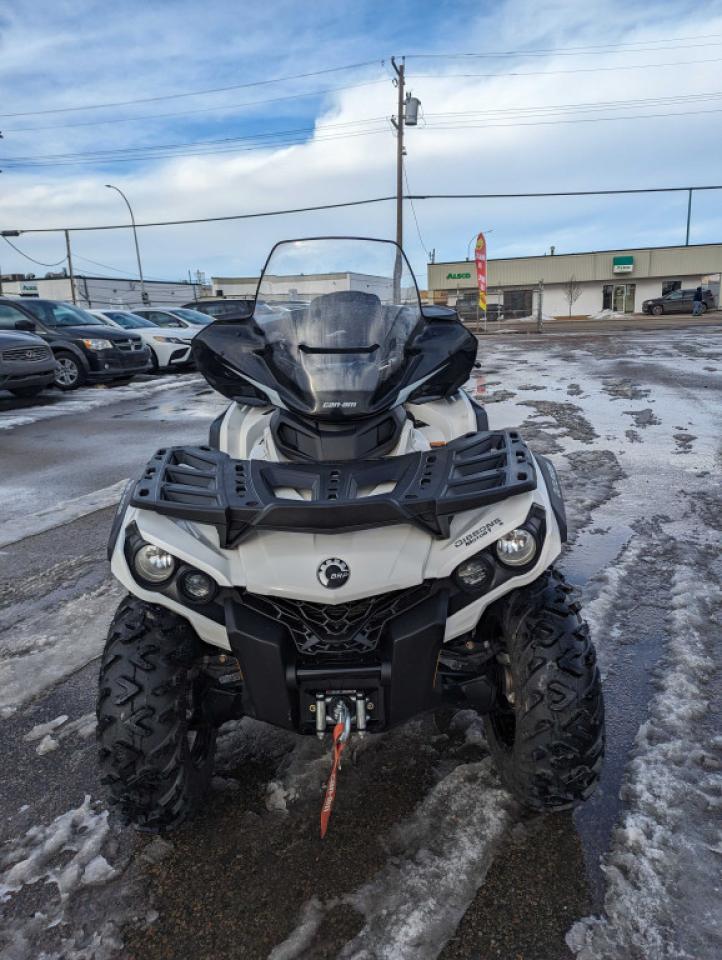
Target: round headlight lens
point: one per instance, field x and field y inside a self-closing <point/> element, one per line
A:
<point x="153" y="563"/>
<point x="475" y="573"/>
<point x="197" y="586"/>
<point x="516" y="548"/>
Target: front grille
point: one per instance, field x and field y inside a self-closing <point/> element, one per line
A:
<point x="26" y="353"/>
<point x="323" y="629"/>
<point x="129" y="346"/>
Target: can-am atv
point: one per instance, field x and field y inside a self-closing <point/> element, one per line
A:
<point x="354" y="546"/>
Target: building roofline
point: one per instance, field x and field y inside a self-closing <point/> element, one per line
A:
<point x="579" y="253"/>
<point x="83" y="276"/>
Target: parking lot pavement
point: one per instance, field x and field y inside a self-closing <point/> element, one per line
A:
<point x="427" y="855"/>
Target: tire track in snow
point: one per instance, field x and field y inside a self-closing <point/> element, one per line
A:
<point x="663" y="893"/>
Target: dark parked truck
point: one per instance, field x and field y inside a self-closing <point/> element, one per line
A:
<point x="86" y="350"/>
<point x="27" y="364"/>
<point x="678" y="301"/>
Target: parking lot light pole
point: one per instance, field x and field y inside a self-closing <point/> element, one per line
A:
<point x="110" y="186"/>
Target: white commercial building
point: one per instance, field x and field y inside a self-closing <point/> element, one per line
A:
<point x="618" y="280"/>
<point x="99" y="292"/>
<point x="303" y="286"/>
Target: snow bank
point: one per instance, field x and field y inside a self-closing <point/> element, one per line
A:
<point x="608" y="315"/>
<point x="662" y="871"/>
<point x="65" y="512"/>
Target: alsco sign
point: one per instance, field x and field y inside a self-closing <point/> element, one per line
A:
<point x="458" y="276"/>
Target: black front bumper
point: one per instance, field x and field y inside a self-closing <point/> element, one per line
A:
<point x="115" y="365"/>
<point x="396" y="672"/>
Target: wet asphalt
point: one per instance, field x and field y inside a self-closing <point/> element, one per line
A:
<point x="234" y="882"/>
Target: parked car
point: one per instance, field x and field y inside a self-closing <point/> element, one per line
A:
<point x="27" y="364"/>
<point x="175" y="317"/>
<point x="239" y="308"/>
<point x="86" y="349"/>
<point x="168" y="350"/>
<point x="677" y="301"/>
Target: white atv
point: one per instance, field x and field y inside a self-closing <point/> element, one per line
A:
<point x="353" y="547"/>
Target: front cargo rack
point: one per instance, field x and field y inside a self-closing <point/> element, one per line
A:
<point x="426" y="488"/>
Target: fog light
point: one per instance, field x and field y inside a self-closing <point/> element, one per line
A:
<point x="197" y="586"/>
<point x="516" y="548"/>
<point x="475" y="574"/>
<point x="153" y="563"/>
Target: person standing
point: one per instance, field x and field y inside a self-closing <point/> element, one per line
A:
<point x="697" y="302"/>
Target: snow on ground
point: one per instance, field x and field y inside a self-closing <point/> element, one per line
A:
<point x="37" y="652"/>
<point x="68" y="856"/>
<point x="18" y="528"/>
<point x="88" y="398"/>
<point x="664" y="884"/>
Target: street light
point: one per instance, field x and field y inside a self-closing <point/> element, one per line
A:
<point x="135" y="238"/>
<point x="473" y="240"/>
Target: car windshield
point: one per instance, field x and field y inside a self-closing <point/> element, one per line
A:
<point x="192" y="316"/>
<point x="54" y="314"/>
<point x="337" y="314"/>
<point x="129" y="321"/>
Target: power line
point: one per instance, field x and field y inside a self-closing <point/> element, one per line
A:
<point x="638" y="46"/>
<point x="32" y="259"/>
<point x="228" y="145"/>
<point x="374" y="200"/>
<point x="187" y="113"/>
<point x="192" y="93"/>
<point x="551" y="73"/>
<point x="413" y="211"/>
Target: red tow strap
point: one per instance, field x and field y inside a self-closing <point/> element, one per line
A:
<point x="330" y="796"/>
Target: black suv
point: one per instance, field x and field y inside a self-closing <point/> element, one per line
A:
<point x="677" y="301"/>
<point x="87" y="350"/>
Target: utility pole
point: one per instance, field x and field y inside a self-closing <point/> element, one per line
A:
<point x="689" y="215"/>
<point x="398" y="122"/>
<point x="70" y="266"/>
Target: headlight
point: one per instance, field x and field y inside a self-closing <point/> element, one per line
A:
<point x="153" y="563"/>
<point x="516" y="548"/>
<point x="475" y="574"/>
<point x="197" y="587"/>
<point x="92" y="344"/>
<point x="169" y="340"/>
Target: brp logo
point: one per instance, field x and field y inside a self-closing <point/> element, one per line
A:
<point x="333" y="573"/>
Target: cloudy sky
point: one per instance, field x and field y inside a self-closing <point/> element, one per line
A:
<point x="516" y="96"/>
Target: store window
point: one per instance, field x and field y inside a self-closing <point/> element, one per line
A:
<point x="518" y="303"/>
<point x="669" y="285"/>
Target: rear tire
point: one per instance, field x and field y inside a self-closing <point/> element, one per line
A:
<point x="658" y="309"/>
<point x="546" y="730"/>
<point x="155" y="747"/>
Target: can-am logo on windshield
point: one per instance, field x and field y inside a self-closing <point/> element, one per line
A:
<point x="337" y="404"/>
<point x="333" y="573"/>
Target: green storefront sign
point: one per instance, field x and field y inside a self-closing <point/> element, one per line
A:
<point x="623" y="264"/>
<point x="458" y="276"/>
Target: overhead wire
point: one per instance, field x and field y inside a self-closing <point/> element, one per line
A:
<point x="190" y="93"/>
<point x="27" y="256"/>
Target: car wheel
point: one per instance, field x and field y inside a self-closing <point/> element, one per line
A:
<point x="70" y="374"/>
<point x="658" y="309"/>
<point x="703" y="308"/>
<point x="26" y="393"/>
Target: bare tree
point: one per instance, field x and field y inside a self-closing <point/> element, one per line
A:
<point x="572" y="292"/>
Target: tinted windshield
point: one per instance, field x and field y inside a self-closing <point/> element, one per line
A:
<point x="61" y="314"/>
<point x="192" y="316"/>
<point x="129" y="321"/>
<point x="337" y="314"/>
